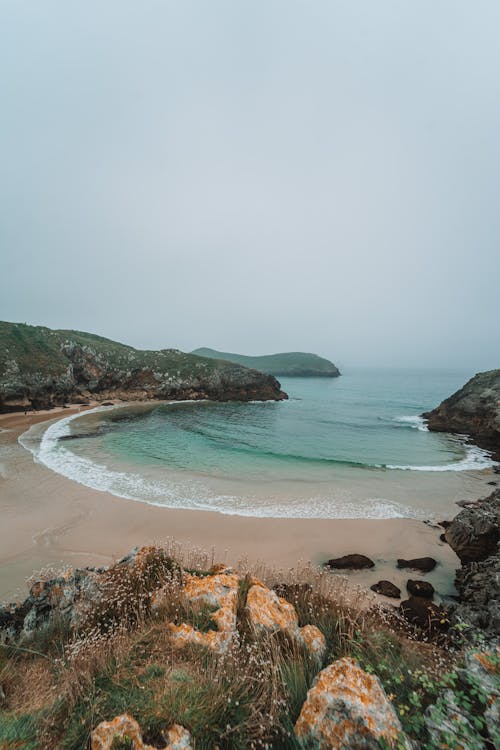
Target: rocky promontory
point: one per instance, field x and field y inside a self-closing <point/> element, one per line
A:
<point x="474" y="410"/>
<point x="41" y="368"/>
<point x="286" y="364"/>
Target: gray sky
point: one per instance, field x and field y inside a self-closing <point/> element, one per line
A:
<point x="255" y="176"/>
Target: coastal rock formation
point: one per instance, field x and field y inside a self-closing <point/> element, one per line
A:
<point x="219" y="592"/>
<point x="386" y="588"/>
<point x="41" y="368"/>
<point x="475" y="532"/>
<point x="423" y="589"/>
<point x="452" y="722"/>
<point x="269" y="613"/>
<point x="473" y="410"/>
<point x="124" y="727"/>
<point x="475" y="535"/>
<point x="423" y="564"/>
<point x="429" y="617"/>
<point x="350" y="562"/>
<point x="287" y="364"/>
<point x="76" y="596"/>
<point x="347" y="708"/>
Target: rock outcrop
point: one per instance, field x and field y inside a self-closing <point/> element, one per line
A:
<point x="475" y="535"/>
<point x="475" y="532"/>
<point x="269" y="613"/>
<point x="71" y="599"/>
<point x="41" y="368"/>
<point x="474" y="410"/>
<point x="219" y="592"/>
<point x="124" y="727"/>
<point x="347" y="709"/>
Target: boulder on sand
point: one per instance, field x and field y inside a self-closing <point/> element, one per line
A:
<point x="424" y="564"/>
<point x="386" y="588"/>
<point x="350" y="562"/>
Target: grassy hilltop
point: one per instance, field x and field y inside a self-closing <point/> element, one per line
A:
<point x="287" y="364"/>
<point x="41" y="367"/>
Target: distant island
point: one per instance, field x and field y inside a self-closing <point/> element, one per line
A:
<point x="287" y="364"/>
<point x="41" y="368"/>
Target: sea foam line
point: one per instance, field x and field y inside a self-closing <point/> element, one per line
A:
<point x="53" y="454"/>
<point x="415" y="421"/>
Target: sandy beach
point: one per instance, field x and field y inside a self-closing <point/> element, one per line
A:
<point x="48" y="520"/>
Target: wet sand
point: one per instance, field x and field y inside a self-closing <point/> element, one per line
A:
<point x="49" y="520"/>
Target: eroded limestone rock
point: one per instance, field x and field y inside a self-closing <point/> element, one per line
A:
<point x="125" y="727"/>
<point x="270" y="613"/>
<point x="347" y="709"/>
<point x="218" y="591"/>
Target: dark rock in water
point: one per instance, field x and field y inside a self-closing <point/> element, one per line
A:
<point x="473" y="410"/>
<point x="444" y="524"/>
<point x="424" y="564"/>
<point x="386" y="588"/>
<point x="474" y="534"/>
<point x="442" y="538"/>
<point x="350" y="562"/>
<point x="420" y="588"/>
<point x="494" y="484"/>
<point x="107" y="403"/>
<point x="424" y="614"/>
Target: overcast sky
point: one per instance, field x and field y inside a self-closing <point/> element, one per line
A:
<point x="255" y="176"/>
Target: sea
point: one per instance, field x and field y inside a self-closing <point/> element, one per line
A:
<point x="355" y="446"/>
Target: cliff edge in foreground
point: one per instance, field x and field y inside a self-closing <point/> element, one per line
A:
<point x="287" y="364"/>
<point x="473" y="410"/>
<point x="41" y="368"/>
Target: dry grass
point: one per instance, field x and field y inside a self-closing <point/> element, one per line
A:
<point x="121" y="658"/>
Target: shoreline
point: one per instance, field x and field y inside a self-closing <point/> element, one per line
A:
<point x="52" y="521"/>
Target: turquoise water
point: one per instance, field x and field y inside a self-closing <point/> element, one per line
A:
<point x="344" y="447"/>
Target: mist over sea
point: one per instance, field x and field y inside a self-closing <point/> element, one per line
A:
<point x="348" y="447"/>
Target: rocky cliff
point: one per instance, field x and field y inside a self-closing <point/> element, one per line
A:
<point x="41" y="368"/>
<point x="473" y="410"/>
<point x="474" y="535"/>
<point x="287" y="364"/>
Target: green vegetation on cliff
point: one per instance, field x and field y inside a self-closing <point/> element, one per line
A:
<point x="40" y="367"/>
<point x="287" y="364"/>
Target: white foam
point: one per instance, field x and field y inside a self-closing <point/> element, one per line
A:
<point x="415" y="421"/>
<point x="52" y="453"/>
<point x="476" y="459"/>
<point x="192" y="494"/>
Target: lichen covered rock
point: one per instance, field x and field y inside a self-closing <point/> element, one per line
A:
<point x="219" y="592"/>
<point x="125" y="727"/>
<point x="347" y="709"/>
<point x="269" y="613"/>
